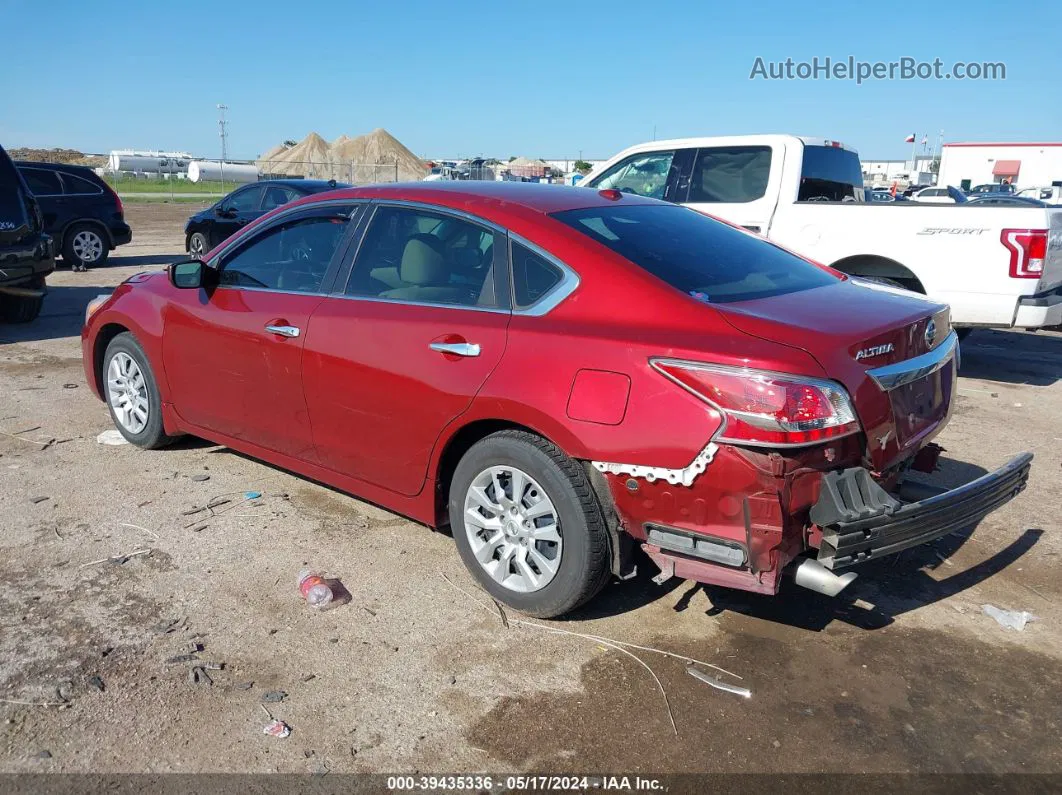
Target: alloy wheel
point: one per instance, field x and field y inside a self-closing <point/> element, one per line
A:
<point x="127" y="392"/>
<point x="87" y="246"/>
<point x="513" y="529"/>
<point x="195" y="246"/>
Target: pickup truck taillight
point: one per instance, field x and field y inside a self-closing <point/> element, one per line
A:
<point x="1028" y="249"/>
<point x="764" y="408"/>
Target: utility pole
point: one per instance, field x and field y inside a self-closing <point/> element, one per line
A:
<point x="221" y="126"/>
<point x="224" y="139"/>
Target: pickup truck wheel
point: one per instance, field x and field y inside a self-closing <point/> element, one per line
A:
<point x="132" y="393"/>
<point x="527" y="524"/>
<point x="85" y="245"/>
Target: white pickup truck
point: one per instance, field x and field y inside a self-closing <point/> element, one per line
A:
<point x="995" y="265"/>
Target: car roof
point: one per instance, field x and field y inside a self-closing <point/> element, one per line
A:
<point x="309" y="184"/>
<point x="480" y="197"/>
<point x="79" y="170"/>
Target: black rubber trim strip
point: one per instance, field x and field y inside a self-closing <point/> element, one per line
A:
<point x="848" y="543"/>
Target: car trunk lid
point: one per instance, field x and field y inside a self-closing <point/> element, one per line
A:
<point x="893" y="350"/>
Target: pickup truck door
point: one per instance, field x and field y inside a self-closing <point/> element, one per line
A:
<point x="656" y="173"/>
<point x="739" y="184"/>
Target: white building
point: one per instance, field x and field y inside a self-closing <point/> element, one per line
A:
<point x="1026" y="165"/>
<point x="885" y="172"/>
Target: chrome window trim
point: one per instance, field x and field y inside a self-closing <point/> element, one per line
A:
<point x="557" y="293"/>
<point x="434" y="304"/>
<point x="268" y="290"/>
<point x="891" y="376"/>
<point x="441" y="210"/>
<point x="215" y="261"/>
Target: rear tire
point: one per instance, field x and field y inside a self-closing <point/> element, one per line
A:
<point x="129" y="387"/>
<point x="85" y="245"/>
<point x="21" y="308"/>
<point x="581" y="563"/>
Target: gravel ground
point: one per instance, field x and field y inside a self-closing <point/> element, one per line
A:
<point x="903" y="674"/>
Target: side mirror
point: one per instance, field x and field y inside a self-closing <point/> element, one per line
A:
<point x="224" y="212"/>
<point x="191" y="275"/>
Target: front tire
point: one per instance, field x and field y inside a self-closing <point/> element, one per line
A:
<point x="22" y="308"/>
<point x="197" y="245"/>
<point x="528" y="525"/>
<point x="132" y="393"/>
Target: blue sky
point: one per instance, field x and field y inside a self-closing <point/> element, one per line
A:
<point x="547" y="79"/>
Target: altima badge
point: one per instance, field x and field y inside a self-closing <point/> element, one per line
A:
<point x="874" y="350"/>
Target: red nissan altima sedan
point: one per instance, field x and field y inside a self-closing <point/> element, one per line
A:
<point x="559" y="376"/>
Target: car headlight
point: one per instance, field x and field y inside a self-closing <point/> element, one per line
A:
<point x="95" y="304"/>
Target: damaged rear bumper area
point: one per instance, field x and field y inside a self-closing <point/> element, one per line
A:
<point x="860" y="521"/>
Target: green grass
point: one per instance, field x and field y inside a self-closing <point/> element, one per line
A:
<point x="130" y="186"/>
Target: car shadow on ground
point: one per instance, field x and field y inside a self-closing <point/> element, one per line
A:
<point x="1012" y="357"/>
<point x="62" y="316"/>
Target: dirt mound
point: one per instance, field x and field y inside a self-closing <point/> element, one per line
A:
<point x="376" y="157"/>
<point x="71" y="157"/>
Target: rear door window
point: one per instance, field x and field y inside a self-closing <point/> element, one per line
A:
<point x="704" y="258"/>
<point x="79" y="186"/>
<point x="830" y="174"/>
<point x="730" y="174"/>
<point x="277" y="195"/>
<point x="42" y="182"/>
<point x="420" y="256"/>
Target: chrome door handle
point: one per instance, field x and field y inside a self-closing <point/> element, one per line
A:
<point x="456" y="348"/>
<point x="284" y="331"/>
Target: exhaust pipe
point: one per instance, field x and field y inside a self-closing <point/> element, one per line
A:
<point x="812" y="575"/>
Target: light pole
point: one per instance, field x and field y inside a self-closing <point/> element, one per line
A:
<point x="224" y="136"/>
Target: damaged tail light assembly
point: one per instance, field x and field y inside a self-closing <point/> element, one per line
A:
<point x="766" y="409"/>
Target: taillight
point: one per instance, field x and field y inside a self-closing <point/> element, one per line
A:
<point x="1028" y="249"/>
<point x="764" y="408"/>
<point x="117" y="199"/>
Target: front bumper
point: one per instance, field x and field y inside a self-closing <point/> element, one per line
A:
<point x="1042" y="309"/>
<point x="860" y="521"/>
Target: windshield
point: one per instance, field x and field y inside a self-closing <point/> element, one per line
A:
<point x="698" y="255"/>
<point x="830" y="174"/>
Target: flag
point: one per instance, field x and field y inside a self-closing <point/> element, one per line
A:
<point x="910" y="139"/>
<point x="925" y="140"/>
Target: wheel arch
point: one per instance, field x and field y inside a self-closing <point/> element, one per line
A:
<point x="94" y="222"/>
<point x="882" y="267"/>
<point x="104" y="336"/>
<point x="464" y="437"/>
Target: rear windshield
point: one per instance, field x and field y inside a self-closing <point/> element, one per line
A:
<point x="12" y="204"/>
<point x="702" y="257"/>
<point x="830" y="174"/>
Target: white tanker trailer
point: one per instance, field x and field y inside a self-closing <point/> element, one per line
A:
<point x="199" y="170"/>
<point x="148" y="162"/>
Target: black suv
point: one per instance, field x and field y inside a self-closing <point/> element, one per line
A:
<point x="25" y="249"/>
<point x="209" y="227"/>
<point x="81" y="211"/>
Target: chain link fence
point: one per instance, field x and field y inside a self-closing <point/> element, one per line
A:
<point x="189" y="179"/>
